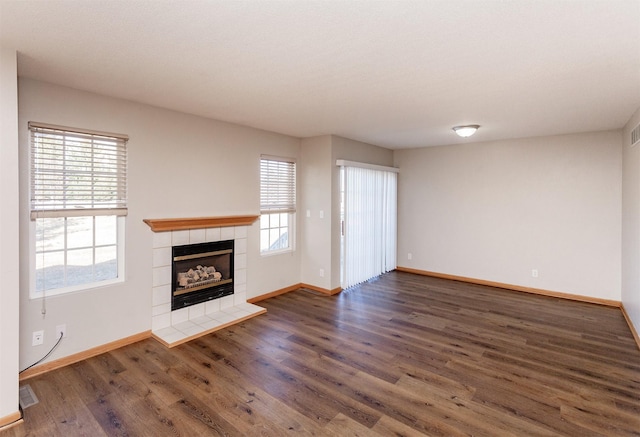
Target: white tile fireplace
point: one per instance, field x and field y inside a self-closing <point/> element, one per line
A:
<point x="176" y="327"/>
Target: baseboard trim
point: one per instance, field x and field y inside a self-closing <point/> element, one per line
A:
<point x="294" y="288"/>
<point x="274" y="293"/>
<point x="10" y="420"/>
<point x="321" y="290"/>
<point x="89" y="353"/>
<point x="631" y="327"/>
<point x="568" y="296"/>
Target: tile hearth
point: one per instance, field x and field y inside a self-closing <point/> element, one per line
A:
<point x="176" y="327"/>
<point x="207" y="323"/>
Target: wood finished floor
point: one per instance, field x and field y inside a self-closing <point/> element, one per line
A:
<point x="403" y="355"/>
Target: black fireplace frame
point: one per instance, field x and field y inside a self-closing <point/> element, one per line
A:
<point x="181" y="298"/>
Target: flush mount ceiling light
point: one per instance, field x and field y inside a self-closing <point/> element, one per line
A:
<point x="466" y="131"/>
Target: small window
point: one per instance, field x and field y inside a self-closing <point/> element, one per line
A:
<point x="277" y="204"/>
<point x="78" y="206"/>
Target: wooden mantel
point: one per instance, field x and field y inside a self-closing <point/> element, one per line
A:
<point x="176" y="224"/>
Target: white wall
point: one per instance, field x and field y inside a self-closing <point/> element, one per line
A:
<point x="495" y="211"/>
<point x="9" y="248"/>
<point x="631" y="224"/>
<point x="179" y="166"/>
<point x="315" y="197"/>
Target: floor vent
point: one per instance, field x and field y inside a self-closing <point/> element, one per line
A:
<point x="635" y="136"/>
<point x="27" y="397"/>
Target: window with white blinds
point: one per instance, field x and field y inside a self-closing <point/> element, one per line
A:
<point x="75" y="172"/>
<point x="277" y="184"/>
<point x="277" y="203"/>
<point x="78" y="208"/>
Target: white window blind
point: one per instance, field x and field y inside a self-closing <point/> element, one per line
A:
<point x="76" y="172"/>
<point x="277" y="185"/>
<point x="370" y="223"/>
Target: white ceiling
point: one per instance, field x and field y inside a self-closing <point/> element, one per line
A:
<point x="392" y="73"/>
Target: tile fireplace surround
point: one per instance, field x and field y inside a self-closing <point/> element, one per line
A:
<point x="175" y="327"/>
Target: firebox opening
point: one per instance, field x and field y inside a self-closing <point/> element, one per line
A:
<point x="201" y="272"/>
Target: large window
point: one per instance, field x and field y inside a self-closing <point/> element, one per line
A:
<point x="78" y="204"/>
<point x="277" y="203"/>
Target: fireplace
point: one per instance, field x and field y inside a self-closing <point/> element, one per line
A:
<point x="201" y="272"/>
<point x="174" y="327"/>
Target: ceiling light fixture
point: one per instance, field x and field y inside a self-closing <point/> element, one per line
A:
<point x="466" y="131"/>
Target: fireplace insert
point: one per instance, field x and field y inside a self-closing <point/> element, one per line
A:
<point x="201" y="272"/>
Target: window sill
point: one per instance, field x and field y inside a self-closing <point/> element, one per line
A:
<point x="276" y="252"/>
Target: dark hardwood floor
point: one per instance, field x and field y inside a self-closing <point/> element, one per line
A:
<point x="402" y="355"/>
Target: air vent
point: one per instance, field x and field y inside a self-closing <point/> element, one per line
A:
<point x="27" y="397"/>
<point x="635" y="136"/>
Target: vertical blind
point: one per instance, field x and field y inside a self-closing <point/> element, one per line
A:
<point x="277" y="184"/>
<point x="370" y="224"/>
<point x="76" y="172"/>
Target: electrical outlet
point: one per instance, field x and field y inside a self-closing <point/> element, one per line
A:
<point x="534" y="273"/>
<point x="321" y="273"/>
<point x="61" y="329"/>
<point x="38" y="338"/>
<point x="409" y="256"/>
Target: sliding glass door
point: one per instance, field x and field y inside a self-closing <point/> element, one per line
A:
<point x="369" y="225"/>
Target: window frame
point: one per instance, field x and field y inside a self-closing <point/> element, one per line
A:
<point x="61" y="140"/>
<point x="282" y="201"/>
